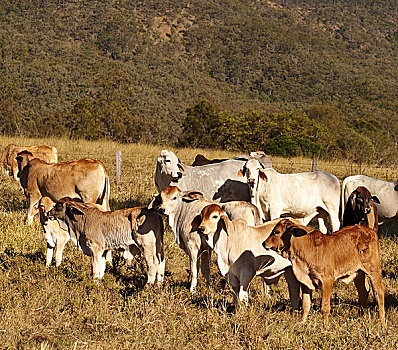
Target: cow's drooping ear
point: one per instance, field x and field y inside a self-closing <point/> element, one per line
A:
<point x="156" y="202"/>
<point x="140" y="220"/>
<point x="375" y="199"/>
<point x="224" y="221"/>
<point x="297" y="231"/>
<point x="263" y="175"/>
<point x="352" y="199"/>
<point x="192" y="196"/>
<point x="180" y="166"/>
<point x="74" y="210"/>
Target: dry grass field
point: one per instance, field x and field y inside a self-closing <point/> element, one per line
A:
<point x="62" y="308"/>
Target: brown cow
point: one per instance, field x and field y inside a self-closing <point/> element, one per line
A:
<point x="9" y="163"/>
<point x="361" y="209"/>
<point x="96" y="232"/>
<point x="85" y="178"/>
<point x="319" y="259"/>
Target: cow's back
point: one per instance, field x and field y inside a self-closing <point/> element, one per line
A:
<point x="69" y="179"/>
<point x="218" y="182"/>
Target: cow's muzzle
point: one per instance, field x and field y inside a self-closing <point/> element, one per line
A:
<point x="161" y="211"/>
<point x="201" y="230"/>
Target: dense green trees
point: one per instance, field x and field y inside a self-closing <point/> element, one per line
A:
<point x="129" y="71"/>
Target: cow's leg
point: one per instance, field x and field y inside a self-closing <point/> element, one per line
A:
<point x="96" y="258"/>
<point x="61" y="241"/>
<point x="102" y="264"/>
<point x="193" y="257"/>
<point x="327" y="285"/>
<point x="150" y="257"/>
<point x="322" y="217"/>
<point x="205" y="257"/>
<point x="379" y="290"/>
<point x="160" y="260"/>
<point x="267" y="289"/>
<point x="49" y="254"/>
<point x="108" y="257"/>
<point x="32" y="202"/>
<point x="245" y="277"/>
<point x="363" y="293"/>
<point x="294" y="288"/>
<point x="160" y="271"/>
<point x="234" y="282"/>
<point x="334" y="219"/>
<point x="306" y="302"/>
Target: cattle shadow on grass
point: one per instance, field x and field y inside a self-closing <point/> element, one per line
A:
<point x="133" y="277"/>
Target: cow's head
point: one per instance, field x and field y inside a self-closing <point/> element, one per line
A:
<point x="170" y="165"/>
<point x="361" y="201"/>
<point x="251" y="171"/>
<point x="281" y="235"/>
<point x="66" y="211"/>
<point x="23" y="158"/>
<point x="44" y="206"/>
<point x="213" y="219"/>
<point x="170" y="199"/>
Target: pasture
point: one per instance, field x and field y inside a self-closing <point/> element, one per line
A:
<point x="59" y="308"/>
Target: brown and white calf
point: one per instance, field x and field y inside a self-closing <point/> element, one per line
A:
<point x="55" y="236"/>
<point x="240" y="254"/>
<point x="97" y="232"/>
<point x="320" y="259"/>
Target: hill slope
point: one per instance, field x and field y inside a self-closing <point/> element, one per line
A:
<point x="128" y="70"/>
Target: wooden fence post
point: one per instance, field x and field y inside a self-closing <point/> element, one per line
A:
<point x="314" y="164"/>
<point x="118" y="165"/>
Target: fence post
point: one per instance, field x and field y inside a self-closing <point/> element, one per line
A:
<point x="314" y="164"/>
<point x="118" y="165"/>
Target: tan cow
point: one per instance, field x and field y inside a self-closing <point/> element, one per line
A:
<point x="85" y="178"/>
<point x="319" y="259"/>
<point x="240" y="254"/>
<point x="9" y="163"/>
<point x="97" y="232"/>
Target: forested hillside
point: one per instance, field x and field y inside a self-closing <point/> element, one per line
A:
<point x="290" y="77"/>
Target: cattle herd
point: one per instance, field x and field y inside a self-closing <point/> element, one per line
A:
<point x="254" y="219"/>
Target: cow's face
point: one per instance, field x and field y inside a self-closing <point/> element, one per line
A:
<point x="362" y="201"/>
<point x="251" y="171"/>
<point x="44" y="206"/>
<point x="170" y="165"/>
<point x="23" y="159"/>
<point x="168" y="200"/>
<point x="281" y="235"/>
<point x="211" y="215"/>
<point x="213" y="218"/>
<point x="65" y="212"/>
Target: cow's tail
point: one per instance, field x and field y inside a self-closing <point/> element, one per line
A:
<point x="342" y="199"/>
<point x="104" y="198"/>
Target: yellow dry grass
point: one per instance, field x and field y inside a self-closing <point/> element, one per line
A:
<point x="60" y="308"/>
